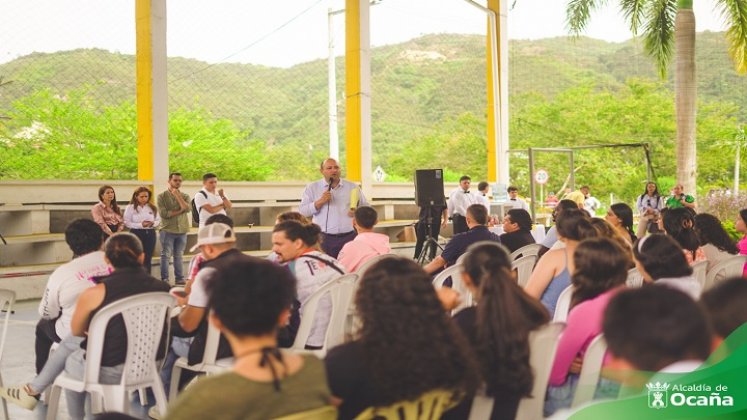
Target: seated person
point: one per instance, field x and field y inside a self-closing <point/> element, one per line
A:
<point x="477" y="220"/>
<point x="725" y="306"/>
<point x="517" y="225"/>
<point x="716" y="243"/>
<point x="407" y="344"/>
<point x="367" y="244"/>
<point x="251" y="301"/>
<point x="679" y="223"/>
<point x="551" y="238"/>
<point x="660" y="260"/>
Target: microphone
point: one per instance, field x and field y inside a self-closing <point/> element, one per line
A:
<point x="331" y="180"/>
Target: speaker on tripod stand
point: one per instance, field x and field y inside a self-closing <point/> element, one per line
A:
<point x="429" y="196"/>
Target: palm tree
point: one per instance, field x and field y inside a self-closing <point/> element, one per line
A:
<point x="668" y="26"/>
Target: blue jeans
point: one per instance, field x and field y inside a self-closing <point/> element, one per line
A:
<point x="172" y="244"/>
<point x="75" y="368"/>
<point x="55" y="364"/>
<point x="179" y="348"/>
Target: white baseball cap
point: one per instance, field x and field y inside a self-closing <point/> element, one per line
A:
<point x="216" y="233"/>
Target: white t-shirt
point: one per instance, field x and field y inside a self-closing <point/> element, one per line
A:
<point x="198" y="296"/>
<point x="212" y="199"/>
<point x="65" y="284"/>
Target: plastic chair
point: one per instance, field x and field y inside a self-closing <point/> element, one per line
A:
<point x="635" y="278"/>
<point x="430" y="405"/>
<point x="366" y="265"/>
<point x="590" y="371"/>
<point x="524" y="267"/>
<point x="144" y="317"/>
<point x="730" y="267"/>
<point x="699" y="272"/>
<point x="328" y="412"/>
<point x="340" y="291"/>
<point x="7" y="299"/>
<point x="531" y="249"/>
<point x="455" y="272"/>
<point x="563" y="306"/>
<point x="542" y="346"/>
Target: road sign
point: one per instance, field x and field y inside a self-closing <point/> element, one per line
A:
<point x="541" y="176"/>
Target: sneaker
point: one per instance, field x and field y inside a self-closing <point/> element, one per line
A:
<point x="19" y="396"/>
<point x="154" y="413"/>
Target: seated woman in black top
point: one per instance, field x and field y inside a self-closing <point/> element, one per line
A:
<point x="498" y="328"/>
<point x="406" y="347"/>
<point x="124" y="252"/>
<point x="517" y="225"/>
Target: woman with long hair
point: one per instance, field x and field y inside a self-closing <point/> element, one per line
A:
<point x="620" y="215"/>
<point x="679" y="223"/>
<point x="601" y="268"/>
<point x="141" y="217"/>
<point x="606" y="230"/>
<point x="660" y="260"/>
<point x="553" y="271"/>
<point x="498" y="328"/>
<point x="407" y="344"/>
<point x="741" y="226"/>
<point x="107" y="213"/>
<point x="716" y="243"/>
<point x="649" y="205"/>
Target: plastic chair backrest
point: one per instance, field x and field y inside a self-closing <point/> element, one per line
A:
<point x="7" y="300"/>
<point x="366" y="265"/>
<point x="524" y="267"/>
<point x="590" y="371"/>
<point x="455" y="272"/>
<point x="340" y="291"/>
<point x="635" y="278"/>
<point x="564" y="305"/>
<point x="531" y="249"/>
<point x="430" y="405"/>
<point x="730" y="267"/>
<point x="144" y="317"/>
<point x="542" y="346"/>
<point x="328" y="412"/>
<point x="699" y="272"/>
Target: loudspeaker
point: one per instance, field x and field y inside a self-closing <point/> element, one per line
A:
<point x="429" y="187"/>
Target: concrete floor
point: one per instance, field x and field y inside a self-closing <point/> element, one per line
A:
<point x="17" y="364"/>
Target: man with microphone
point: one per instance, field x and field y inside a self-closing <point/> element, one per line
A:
<point x="331" y="203"/>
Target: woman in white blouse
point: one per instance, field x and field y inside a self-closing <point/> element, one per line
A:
<point x="141" y="217"/>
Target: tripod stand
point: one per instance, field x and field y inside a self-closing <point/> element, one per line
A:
<point x="431" y="244"/>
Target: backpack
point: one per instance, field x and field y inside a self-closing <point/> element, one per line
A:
<point x="195" y="210"/>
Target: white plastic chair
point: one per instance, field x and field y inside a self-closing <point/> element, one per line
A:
<point x="635" y="278"/>
<point x="563" y="306"/>
<point x="730" y="267"/>
<point x="366" y="265"/>
<point x="455" y="272"/>
<point x="590" y="371"/>
<point x="542" y="346"/>
<point x="340" y="291"/>
<point x="7" y="299"/>
<point x="699" y="272"/>
<point x="144" y="316"/>
<point x="524" y="267"/>
<point x="531" y="249"/>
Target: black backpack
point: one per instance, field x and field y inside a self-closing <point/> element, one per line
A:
<point x="195" y="210"/>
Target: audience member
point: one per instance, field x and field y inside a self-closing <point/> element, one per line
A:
<point x="294" y="244"/>
<point x="725" y="306"/>
<point x="551" y="238"/>
<point x="716" y="243"/>
<point x="141" y="217"/>
<point x="498" y="329"/>
<point x="459" y="200"/>
<point x="175" y="212"/>
<point x="620" y="216"/>
<point x="554" y="269"/>
<point x="513" y="198"/>
<point x="210" y="199"/>
<point x="679" y="199"/>
<point x="477" y="219"/>
<point x="251" y="301"/>
<point x="649" y="205"/>
<point x="601" y="268"/>
<point x="660" y="260"/>
<point x="679" y="223"/>
<point x="517" y="225"/>
<point x="741" y="226"/>
<point x="407" y="345"/>
<point x="367" y="244"/>
<point x="106" y="213"/>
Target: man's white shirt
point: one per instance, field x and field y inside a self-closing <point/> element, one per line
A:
<point x="459" y="200"/>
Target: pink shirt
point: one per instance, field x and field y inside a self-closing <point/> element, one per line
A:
<point x="742" y="245"/>
<point x="583" y="324"/>
<point x="105" y="215"/>
<point x="365" y="246"/>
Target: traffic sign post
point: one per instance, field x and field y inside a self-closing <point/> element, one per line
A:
<point x="541" y="177"/>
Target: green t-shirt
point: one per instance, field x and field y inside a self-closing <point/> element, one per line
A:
<point x="673" y="202"/>
<point x="230" y="396"/>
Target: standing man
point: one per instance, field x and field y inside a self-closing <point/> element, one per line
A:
<point x="513" y="198"/>
<point x="331" y="203"/>
<point x="210" y="199"/>
<point x="483" y="188"/>
<point x="173" y="206"/>
<point x="591" y="204"/>
<point x="459" y="200"/>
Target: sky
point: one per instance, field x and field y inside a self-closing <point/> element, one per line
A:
<point x="281" y="32"/>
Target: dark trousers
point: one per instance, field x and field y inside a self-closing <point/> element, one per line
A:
<point x="333" y="243"/>
<point x="421" y="232"/>
<point x="46" y="335"/>
<point x="148" y="238"/>
<point x="459" y="224"/>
